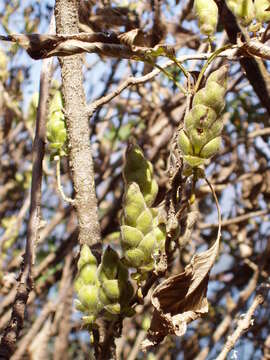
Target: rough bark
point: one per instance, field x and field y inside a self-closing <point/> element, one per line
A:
<point x="66" y="14"/>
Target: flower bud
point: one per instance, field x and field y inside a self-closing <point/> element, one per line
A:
<point x="207" y="14"/>
<point x="109" y="264"/>
<point x="262" y="10"/>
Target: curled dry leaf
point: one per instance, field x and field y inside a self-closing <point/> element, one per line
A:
<point x="106" y="44"/>
<point x="181" y="298"/>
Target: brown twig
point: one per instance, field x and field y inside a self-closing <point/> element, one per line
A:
<point x="243" y="325"/>
<point x="25" y="280"/>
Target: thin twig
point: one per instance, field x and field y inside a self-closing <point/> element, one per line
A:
<point x="59" y="185"/>
<point x="243" y="325"/>
<point x="25" y="281"/>
<point x="143" y="79"/>
<point x="236" y="220"/>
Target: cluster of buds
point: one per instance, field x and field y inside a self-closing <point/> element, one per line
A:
<point x="246" y="10"/>
<point x="142" y="234"/>
<point x="103" y="289"/>
<point x="207" y="14"/>
<point x="200" y="138"/>
<point x="56" y="126"/>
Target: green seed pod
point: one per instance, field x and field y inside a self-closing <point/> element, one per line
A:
<point x="194" y="161"/>
<point x="112" y="289"/>
<point x="262" y="10"/>
<point x="78" y="283"/>
<point x="145" y="221"/>
<point x="135" y="257"/>
<point x="134" y="204"/>
<point x="219" y="76"/>
<point x="147" y="245"/>
<point x="109" y="264"/>
<point x="88" y="274"/>
<point x="88" y="296"/>
<point x="138" y="169"/>
<point x="130" y="237"/>
<point x="207" y="14"/>
<point x="242" y="9"/>
<point x="56" y="131"/>
<point x="212" y="96"/>
<point x="56" y="103"/>
<point x="211" y="148"/>
<point x="86" y="257"/>
<point x="200" y="117"/>
<point x="102" y="297"/>
<point x="79" y="306"/>
<point x="89" y="319"/>
<point x="184" y="143"/>
<point x="160" y="235"/>
<point x="114" y="309"/>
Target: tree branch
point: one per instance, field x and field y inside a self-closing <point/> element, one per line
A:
<point x="13" y="329"/>
<point x="80" y="156"/>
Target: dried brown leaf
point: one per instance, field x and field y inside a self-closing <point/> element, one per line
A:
<point x="134" y="37"/>
<point x="107" y="44"/>
<point x="181" y="298"/>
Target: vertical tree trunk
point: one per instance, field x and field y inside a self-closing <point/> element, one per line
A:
<point x="66" y="15"/>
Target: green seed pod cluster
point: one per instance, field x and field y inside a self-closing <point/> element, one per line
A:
<point x="262" y="10"/>
<point x="103" y="289"/>
<point x="138" y="169"/>
<point x="56" y="127"/>
<point x="243" y="10"/>
<point x="200" y="138"/>
<point x="141" y="235"/>
<point x="207" y="14"/>
<point x="87" y="286"/>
